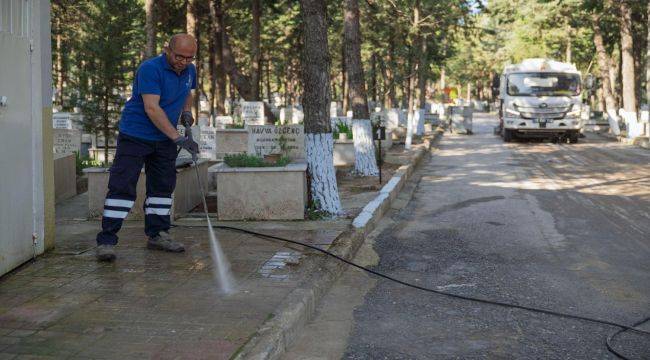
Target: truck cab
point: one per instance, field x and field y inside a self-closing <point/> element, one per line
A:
<point x="540" y="98"/>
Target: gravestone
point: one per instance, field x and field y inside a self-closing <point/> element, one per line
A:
<point x="222" y="121"/>
<point x="62" y="120"/>
<point x="297" y="116"/>
<point x="285" y="115"/>
<point x="252" y="112"/>
<point x="266" y="139"/>
<point x="204" y="119"/>
<point x="378" y="118"/>
<point x="208" y="143"/>
<point x="392" y="119"/>
<point x="67" y="141"/>
<point x="334" y="109"/>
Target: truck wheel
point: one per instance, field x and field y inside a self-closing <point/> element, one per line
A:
<point x="507" y="135"/>
<point x="573" y="138"/>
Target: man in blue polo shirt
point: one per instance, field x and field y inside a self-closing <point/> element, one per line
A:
<point x="148" y="136"/>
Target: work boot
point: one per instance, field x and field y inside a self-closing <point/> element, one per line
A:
<point x="163" y="241"/>
<point x="105" y="252"/>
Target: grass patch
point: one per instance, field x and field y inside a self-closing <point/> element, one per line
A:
<point x="245" y="160"/>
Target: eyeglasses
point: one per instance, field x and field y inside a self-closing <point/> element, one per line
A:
<point x="178" y="57"/>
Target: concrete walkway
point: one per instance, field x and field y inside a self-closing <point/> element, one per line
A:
<point x="150" y="304"/>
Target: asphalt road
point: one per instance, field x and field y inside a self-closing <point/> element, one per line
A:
<point x="556" y="226"/>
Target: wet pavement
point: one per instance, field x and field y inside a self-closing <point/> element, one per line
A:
<point x="555" y="226"/>
<point x="151" y="304"/>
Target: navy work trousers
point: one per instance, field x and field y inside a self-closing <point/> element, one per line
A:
<point x="159" y="160"/>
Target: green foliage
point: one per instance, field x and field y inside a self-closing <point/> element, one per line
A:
<point x="342" y="128"/>
<point x="245" y="160"/>
<point x="84" y="162"/>
<point x="314" y="211"/>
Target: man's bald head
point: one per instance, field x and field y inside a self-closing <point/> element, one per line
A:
<point x="180" y="51"/>
<point x="179" y="41"/>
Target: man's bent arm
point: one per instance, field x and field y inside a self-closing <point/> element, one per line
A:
<point x="188" y="103"/>
<point x="158" y="117"/>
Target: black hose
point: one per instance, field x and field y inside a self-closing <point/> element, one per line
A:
<point x="622" y="328"/>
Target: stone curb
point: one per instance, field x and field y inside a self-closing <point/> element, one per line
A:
<point x="642" y="142"/>
<point x="276" y="334"/>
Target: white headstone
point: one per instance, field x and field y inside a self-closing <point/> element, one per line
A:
<point x="204" y="120"/>
<point x="392" y="119"/>
<point x="252" y="112"/>
<point x="285" y="115"/>
<point x="62" y="120"/>
<point x="334" y="109"/>
<point x="67" y="141"/>
<point x="267" y="139"/>
<point x="297" y="116"/>
<point x="208" y="143"/>
<point x="349" y="114"/>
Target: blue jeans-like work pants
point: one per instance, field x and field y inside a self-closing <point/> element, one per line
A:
<point x="159" y="160"/>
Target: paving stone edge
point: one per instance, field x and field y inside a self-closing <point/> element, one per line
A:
<point x="277" y="333"/>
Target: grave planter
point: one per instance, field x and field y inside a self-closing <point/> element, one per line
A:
<point x="260" y="193"/>
<point x="344" y="150"/>
<point x="185" y="197"/>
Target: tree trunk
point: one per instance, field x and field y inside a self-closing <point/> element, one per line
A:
<point x="106" y="124"/>
<point x="319" y="144"/>
<point x="569" y="46"/>
<point x="59" y="66"/>
<point x="255" y="50"/>
<point x="344" y="82"/>
<point x="213" y="73"/>
<point x="603" y="65"/>
<point x="413" y="69"/>
<point x="192" y="28"/>
<point x="240" y="81"/>
<point x="219" y="71"/>
<point x="392" y="95"/>
<point x="150" y="28"/>
<point x="647" y="61"/>
<point x="627" y="61"/>
<point x="365" y="163"/>
<point x="422" y="75"/>
<point x="373" y="78"/>
<point x="384" y="84"/>
<point x="269" y="95"/>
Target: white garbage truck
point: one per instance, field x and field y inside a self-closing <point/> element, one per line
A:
<point x="540" y="98"/>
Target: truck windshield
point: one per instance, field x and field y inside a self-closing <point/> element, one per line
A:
<point x="543" y="84"/>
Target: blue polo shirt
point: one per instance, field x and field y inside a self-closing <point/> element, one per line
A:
<point x="156" y="76"/>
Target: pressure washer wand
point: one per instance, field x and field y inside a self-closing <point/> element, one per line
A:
<point x="188" y="133"/>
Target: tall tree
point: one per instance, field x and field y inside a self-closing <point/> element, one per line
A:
<point x="627" y="56"/>
<point x="256" y="54"/>
<point x="647" y="59"/>
<point x="217" y="72"/>
<point x="365" y="163"/>
<point x="603" y="64"/>
<point x="319" y="143"/>
<point x="150" y="28"/>
<point x="193" y="28"/>
<point x="240" y="81"/>
<point x="107" y="63"/>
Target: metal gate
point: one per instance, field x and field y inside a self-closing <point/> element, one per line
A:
<point x="16" y="139"/>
